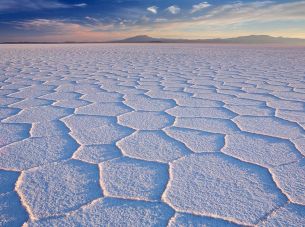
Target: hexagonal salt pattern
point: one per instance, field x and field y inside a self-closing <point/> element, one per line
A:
<point x="270" y="126"/>
<point x="39" y="114"/>
<point x="12" y="213"/>
<point x="151" y="135"/>
<point x="103" y="109"/>
<point x="193" y="220"/>
<point x="133" y="179"/>
<point x="289" y="215"/>
<point x="145" y="103"/>
<point x="211" y="112"/>
<point x="262" y="150"/>
<point x="152" y="146"/>
<point x="36" y="151"/>
<point x="12" y="133"/>
<point x="97" y="153"/>
<point x="291" y="179"/>
<point x="88" y="129"/>
<point x="146" y="120"/>
<point x="219" y="183"/>
<point x="196" y="140"/>
<point x="58" y="188"/>
<point x="114" y="212"/>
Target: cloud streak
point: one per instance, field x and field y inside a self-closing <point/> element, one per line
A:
<point x="56" y="30"/>
<point x="28" y="5"/>
<point x="199" y="7"/>
<point x="255" y="11"/>
<point x="152" y="9"/>
<point x="223" y="20"/>
<point x="173" y="9"/>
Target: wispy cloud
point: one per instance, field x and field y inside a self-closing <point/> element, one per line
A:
<point x="152" y="9"/>
<point x="234" y="19"/>
<point x="173" y="9"/>
<point x="161" y="20"/>
<point x="256" y="11"/>
<point x="50" y="30"/>
<point x="80" y="5"/>
<point x="57" y="26"/>
<point x="92" y="19"/>
<point x="26" y="5"/>
<point x="200" y="6"/>
<point x="47" y="26"/>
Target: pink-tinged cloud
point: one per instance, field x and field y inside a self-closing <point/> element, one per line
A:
<point x="60" y="30"/>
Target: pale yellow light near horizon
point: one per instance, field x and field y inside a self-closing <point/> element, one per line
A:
<point x="227" y="21"/>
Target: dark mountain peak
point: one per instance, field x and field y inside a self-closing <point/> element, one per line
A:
<point x="139" y="39"/>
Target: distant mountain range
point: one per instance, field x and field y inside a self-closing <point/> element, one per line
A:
<point x="251" y="39"/>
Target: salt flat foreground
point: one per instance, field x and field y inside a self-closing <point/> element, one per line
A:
<point x="152" y="135"/>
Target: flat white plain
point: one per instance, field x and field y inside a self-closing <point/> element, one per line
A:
<point x="152" y="135"/>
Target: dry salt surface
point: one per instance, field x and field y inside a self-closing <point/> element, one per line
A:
<point x="152" y="135"/>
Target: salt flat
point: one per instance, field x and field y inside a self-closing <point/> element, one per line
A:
<point x="152" y="135"/>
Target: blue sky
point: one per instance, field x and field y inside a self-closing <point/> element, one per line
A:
<point x="101" y="20"/>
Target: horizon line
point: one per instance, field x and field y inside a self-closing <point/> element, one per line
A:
<point x="173" y="40"/>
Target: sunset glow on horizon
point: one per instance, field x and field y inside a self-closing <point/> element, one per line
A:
<point x="103" y="20"/>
